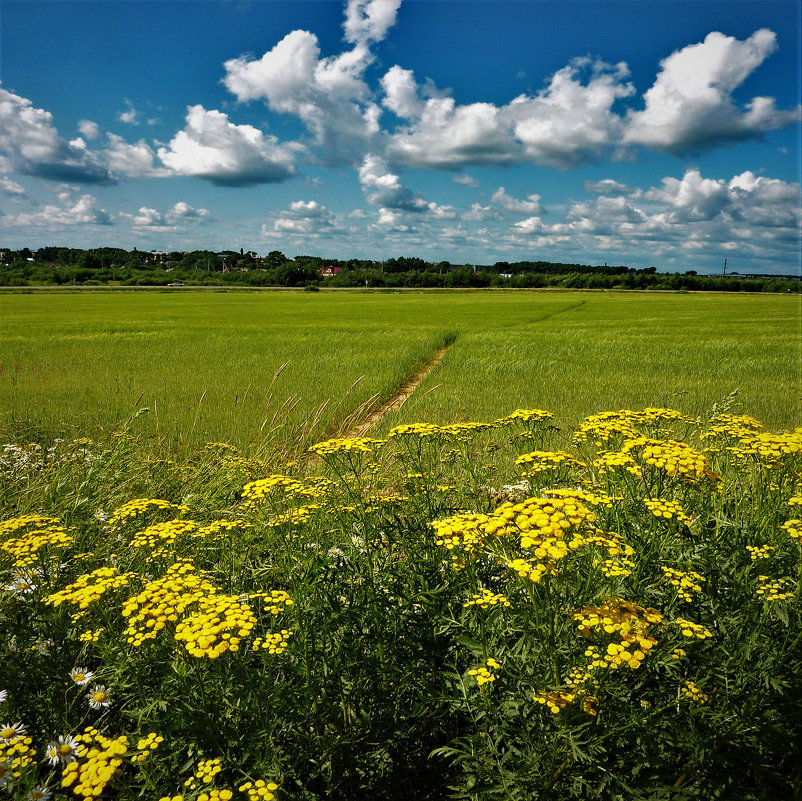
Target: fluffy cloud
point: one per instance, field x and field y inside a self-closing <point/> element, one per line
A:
<point x="89" y="129"/>
<point x="130" y="115"/>
<point x="753" y="215"/>
<point x="369" y="20"/>
<point x="607" y="186"/>
<point x="82" y="210"/>
<point x="529" y="206"/>
<point x="690" y="105"/>
<point x="135" y="161"/>
<point x="214" y="148"/>
<point x="32" y="145"/>
<point x="384" y="188"/>
<point x="327" y="94"/>
<point x="567" y="123"/>
<point x="303" y="217"/>
<point x="11" y="187"/>
<point x="154" y="220"/>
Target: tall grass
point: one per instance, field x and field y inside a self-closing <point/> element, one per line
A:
<point x="231" y="366"/>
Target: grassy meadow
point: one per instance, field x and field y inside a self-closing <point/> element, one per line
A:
<point x="205" y="364"/>
<point x="569" y="566"/>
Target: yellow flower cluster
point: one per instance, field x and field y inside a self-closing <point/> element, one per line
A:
<point x="90" y="587"/>
<point x="98" y="759"/>
<point x="487" y="673"/>
<point x="345" y="445"/>
<point x="415" y="430"/>
<point x="629" y="622"/>
<point x="216" y="627"/>
<point x="794" y="529"/>
<point x="795" y="500"/>
<point x="274" y="601"/>
<point x="615" y="460"/>
<point x="774" y="589"/>
<point x="45" y="531"/>
<point x="666" y="509"/>
<point x="615" y="568"/>
<point x="26" y="521"/>
<point x="526" y="416"/>
<point x="163" y="533"/>
<point x="675" y="458"/>
<point x="772" y="449"/>
<point x="466" y="531"/>
<point x="693" y="630"/>
<point x="760" y="551"/>
<point x="93" y="635"/>
<point x="146" y="745"/>
<point x="16" y="755"/>
<point x="540" y="461"/>
<point x="216" y="795"/>
<point x="532" y="570"/>
<point x="557" y="700"/>
<point x="207" y="769"/>
<point x="539" y="520"/>
<point x="605" y="426"/>
<point x="686" y="582"/>
<point x="140" y="506"/>
<point x="485" y="598"/>
<point x="294" y="516"/>
<point x="256" y="490"/>
<point x="275" y="644"/>
<point x="693" y="693"/>
<point x="259" y="790"/>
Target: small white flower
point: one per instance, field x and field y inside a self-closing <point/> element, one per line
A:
<point x="63" y="751"/>
<point x="3" y="696"/>
<point x="10" y="731"/>
<point x="81" y="675"/>
<point x="21" y="585"/>
<point x="98" y="697"/>
<point x="39" y="794"/>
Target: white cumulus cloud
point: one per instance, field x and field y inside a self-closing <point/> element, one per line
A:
<point x="690" y="106"/>
<point x="369" y="20"/>
<point x="32" y="145"/>
<point x="507" y="202"/>
<point x="212" y="147"/>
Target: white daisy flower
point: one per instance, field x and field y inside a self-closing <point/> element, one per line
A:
<point x="98" y="697"/>
<point x="10" y="731"/>
<point x="81" y="675"/>
<point x="64" y="750"/>
<point x="3" y="696"/>
<point x="39" y="794"/>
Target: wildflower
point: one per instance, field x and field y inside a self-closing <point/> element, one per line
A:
<point x="774" y="589"/>
<point x="794" y="528"/>
<point x="65" y="750"/>
<point x="487" y="673"/>
<point x="21" y="584"/>
<point x="666" y="509"/>
<point x="693" y="630"/>
<point x="3" y="696"/>
<point x="760" y="551"/>
<point x="39" y="794"/>
<point x="686" y="582"/>
<point x="93" y="635"/>
<point x="486" y="598"/>
<point x="98" y="697"/>
<point x="81" y="675"/>
<point x="693" y="693"/>
<point x="10" y="731"/>
<point x="259" y="790"/>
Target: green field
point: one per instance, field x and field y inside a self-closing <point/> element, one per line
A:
<point x="607" y="604"/>
<point x="205" y="364"/>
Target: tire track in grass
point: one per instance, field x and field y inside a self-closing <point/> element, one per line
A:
<point x="353" y="426"/>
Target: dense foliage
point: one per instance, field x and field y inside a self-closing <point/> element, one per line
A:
<point x="470" y="611"/>
<point x="114" y="266"/>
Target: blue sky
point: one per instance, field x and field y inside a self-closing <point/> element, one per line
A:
<point x="635" y="132"/>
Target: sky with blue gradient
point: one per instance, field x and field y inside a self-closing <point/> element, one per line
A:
<point x="635" y="132"/>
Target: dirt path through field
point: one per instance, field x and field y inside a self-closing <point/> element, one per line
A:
<point x="360" y="428"/>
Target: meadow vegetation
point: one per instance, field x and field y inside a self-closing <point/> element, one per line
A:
<point x="507" y="609"/>
<point x="241" y="599"/>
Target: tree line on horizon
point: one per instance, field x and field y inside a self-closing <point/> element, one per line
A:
<point x="110" y="266"/>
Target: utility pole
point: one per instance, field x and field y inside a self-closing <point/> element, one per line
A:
<point x="725" y="266"/>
